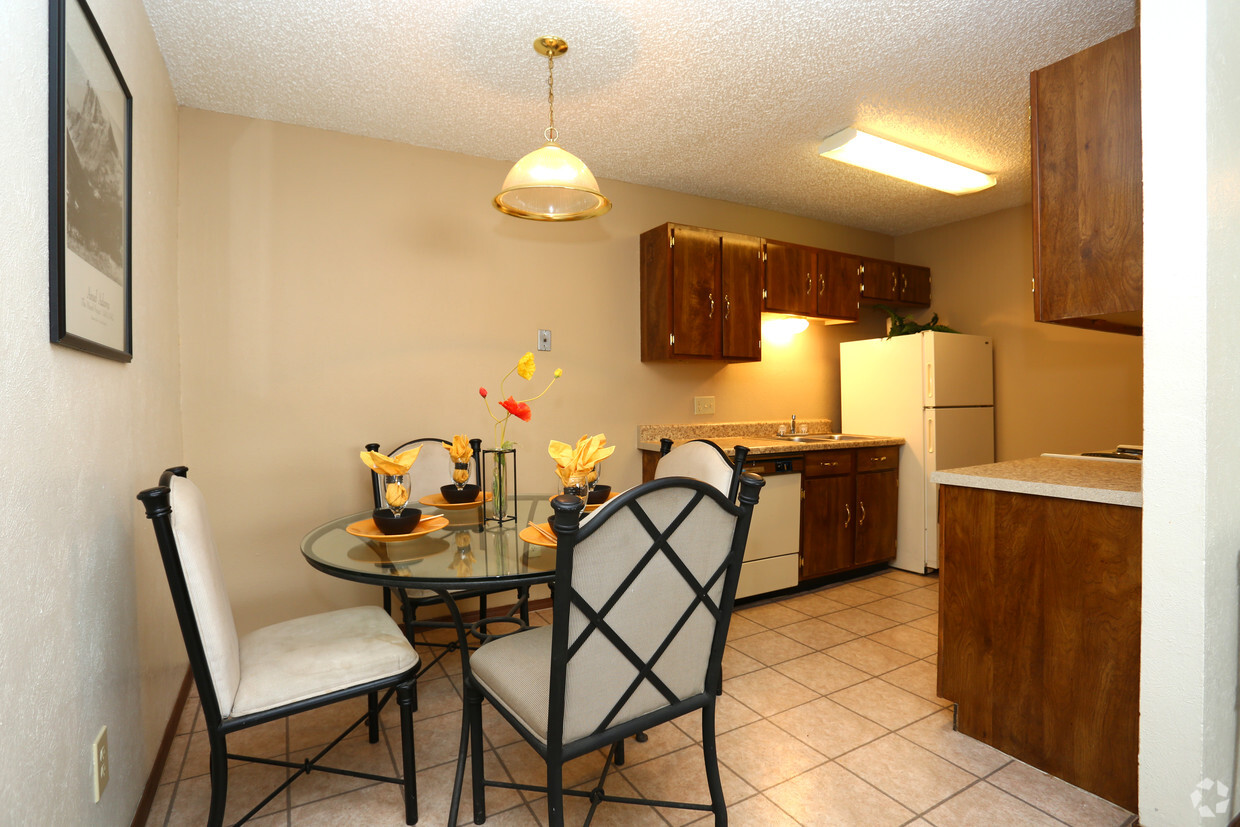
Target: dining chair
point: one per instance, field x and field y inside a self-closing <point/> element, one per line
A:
<point x="431" y="471"/>
<point x="702" y="459"/>
<point x="643" y="598"/>
<point x="278" y="670"/>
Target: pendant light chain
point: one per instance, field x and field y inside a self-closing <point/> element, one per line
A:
<point x="551" y="133"/>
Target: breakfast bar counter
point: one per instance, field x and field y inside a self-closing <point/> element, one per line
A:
<point x="1072" y="478"/>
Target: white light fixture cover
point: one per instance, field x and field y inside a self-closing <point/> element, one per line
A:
<point x="781" y="331"/>
<point x="551" y="184"/>
<point x="861" y="149"/>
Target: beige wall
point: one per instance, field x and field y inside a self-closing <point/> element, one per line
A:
<point x="87" y="633"/>
<point x="337" y="290"/>
<point x="1057" y="389"/>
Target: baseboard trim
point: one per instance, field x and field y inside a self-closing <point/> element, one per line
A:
<point x="143" y="812"/>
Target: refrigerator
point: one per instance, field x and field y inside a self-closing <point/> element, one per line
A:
<point x="936" y="390"/>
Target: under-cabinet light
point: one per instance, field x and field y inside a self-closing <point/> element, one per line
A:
<point x="782" y="331"/>
<point x="852" y="146"/>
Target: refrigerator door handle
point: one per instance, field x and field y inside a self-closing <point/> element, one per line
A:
<point x="929" y="380"/>
<point x="930" y="435"/>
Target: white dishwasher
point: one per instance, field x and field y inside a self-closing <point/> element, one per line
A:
<point x="772" y="553"/>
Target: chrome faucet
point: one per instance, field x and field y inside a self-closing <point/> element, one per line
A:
<point x="794" y="424"/>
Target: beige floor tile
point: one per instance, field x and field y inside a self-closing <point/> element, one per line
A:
<point x="814" y="604"/>
<point x="525" y="766"/>
<point x="356" y="753"/>
<point x="870" y="657"/>
<point x="266" y="741"/>
<point x="496" y="729"/>
<point x="915" y="642"/>
<point x="189" y="717"/>
<point x="160" y="804"/>
<point x="817" y="634"/>
<point x="821" y="673"/>
<point x="661" y="740"/>
<point x="769" y="648"/>
<point x="378" y="805"/>
<point x="767" y="692"/>
<point x="248" y="784"/>
<point x="736" y="662"/>
<point x="920" y="678"/>
<point x="898" y="610"/>
<point x="772" y="615"/>
<point x="928" y="624"/>
<point x="920" y="580"/>
<point x="983" y="805"/>
<point x="915" y="777"/>
<point x="925" y="598"/>
<point x="933" y="587"/>
<point x="935" y="733"/>
<point x="739" y="627"/>
<point x="435" y="792"/>
<point x="850" y="595"/>
<point x="934" y="659"/>
<point x="831" y="795"/>
<point x="756" y="811"/>
<point x="322" y="725"/>
<point x="884" y="704"/>
<point x="827" y="727"/>
<point x="437" y="697"/>
<point x="765" y="755"/>
<point x="859" y="621"/>
<point x="608" y="814"/>
<point x="885" y="586"/>
<point x="436" y="740"/>
<point x="729" y="714"/>
<point x="1057" y="797"/>
<point x="681" y="776"/>
<point x="175" y="759"/>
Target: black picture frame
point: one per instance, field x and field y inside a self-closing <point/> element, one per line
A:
<point x="90" y="184"/>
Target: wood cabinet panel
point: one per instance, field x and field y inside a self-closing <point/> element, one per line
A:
<point x="741" y="276"/>
<point x="1086" y="143"/>
<point x="790" y="279"/>
<point x="879" y="280"/>
<point x="828" y="525"/>
<point x="839" y="285"/>
<point x="696" y="293"/>
<point x="1039" y="631"/>
<point x="877" y="512"/>
<point x="914" y="284"/>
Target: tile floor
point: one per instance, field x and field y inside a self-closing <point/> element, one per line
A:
<point x="828" y="717"/>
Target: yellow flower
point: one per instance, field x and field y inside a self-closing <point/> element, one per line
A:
<point x="558" y="373"/>
<point x="525" y="368"/>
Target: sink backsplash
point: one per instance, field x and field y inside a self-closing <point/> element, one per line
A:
<point x="715" y="430"/>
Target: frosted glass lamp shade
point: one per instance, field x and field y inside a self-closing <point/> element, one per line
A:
<point x="551" y="184"/>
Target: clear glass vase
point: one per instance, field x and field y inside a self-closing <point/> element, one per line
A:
<point x="502" y="477"/>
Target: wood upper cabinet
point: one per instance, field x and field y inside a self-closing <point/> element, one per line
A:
<point x="791" y="279"/>
<point x="701" y="294"/>
<point x="839" y="286"/>
<point x="1085" y="124"/>
<point x="887" y="281"/>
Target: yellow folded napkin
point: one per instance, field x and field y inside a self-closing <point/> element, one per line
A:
<point x="461" y="453"/>
<point x="580" y="459"/>
<point x="396" y="493"/>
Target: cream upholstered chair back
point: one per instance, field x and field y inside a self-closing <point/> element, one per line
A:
<point x="204" y="580"/>
<point x="645" y="595"/>
<point x="699" y="460"/>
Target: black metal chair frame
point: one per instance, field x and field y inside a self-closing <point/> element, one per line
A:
<point x="409" y="604"/>
<point x="739" y="453"/>
<point x="554" y="751"/>
<point x="404" y="685"/>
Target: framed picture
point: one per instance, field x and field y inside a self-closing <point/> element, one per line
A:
<point x="90" y="149"/>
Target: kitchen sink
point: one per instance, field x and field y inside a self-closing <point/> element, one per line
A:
<point x="821" y="438"/>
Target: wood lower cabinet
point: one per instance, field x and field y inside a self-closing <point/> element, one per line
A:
<point x="1040" y="631"/>
<point x="849" y="504"/>
<point x="701" y="294"/>
<point x="1085" y="123"/>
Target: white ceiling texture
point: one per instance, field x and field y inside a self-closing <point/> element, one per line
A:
<point x="727" y="99"/>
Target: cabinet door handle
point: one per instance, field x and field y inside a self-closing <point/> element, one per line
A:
<point x="727" y="307"/>
<point x="711" y="298"/>
<point x="847" y="515"/>
<point x="878" y="459"/>
<point x="822" y="283"/>
<point x="809" y="283"/>
<point x="903" y="282"/>
<point x="895" y="283"/>
<point x="861" y="519"/>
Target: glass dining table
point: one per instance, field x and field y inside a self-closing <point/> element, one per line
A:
<point x="459" y="553"/>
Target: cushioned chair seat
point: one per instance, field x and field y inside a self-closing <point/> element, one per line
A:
<point x="317" y="655"/>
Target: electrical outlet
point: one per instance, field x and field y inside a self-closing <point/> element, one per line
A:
<point x="99" y="761"/>
<point x="544" y="340"/>
<point x="703" y="405"/>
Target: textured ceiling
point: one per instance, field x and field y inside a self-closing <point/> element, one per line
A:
<point x="727" y="99"/>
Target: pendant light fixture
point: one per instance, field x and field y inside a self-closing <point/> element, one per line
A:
<point x="551" y="184"/>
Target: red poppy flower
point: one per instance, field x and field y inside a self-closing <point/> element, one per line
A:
<point x="482" y="392"/>
<point x="518" y="409"/>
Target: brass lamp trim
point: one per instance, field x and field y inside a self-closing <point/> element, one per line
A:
<point x="559" y="184"/>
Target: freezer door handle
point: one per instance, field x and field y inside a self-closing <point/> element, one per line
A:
<point x="929" y="380"/>
<point x="930" y="435"/>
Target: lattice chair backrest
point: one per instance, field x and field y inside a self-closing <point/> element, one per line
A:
<point x="204" y="582"/>
<point x="647" y="588"/>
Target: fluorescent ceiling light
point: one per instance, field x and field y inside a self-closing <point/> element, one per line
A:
<point x="861" y="149"/>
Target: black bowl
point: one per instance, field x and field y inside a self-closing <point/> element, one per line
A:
<point x="465" y="494"/>
<point x="389" y="523"/>
<point x="599" y="494"/>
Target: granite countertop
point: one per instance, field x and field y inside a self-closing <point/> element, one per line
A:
<point x="758" y="437"/>
<point x="1117" y="482"/>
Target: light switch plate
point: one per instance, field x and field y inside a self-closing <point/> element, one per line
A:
<point x="544" y="340"/>
<point x="703" y="405"/>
